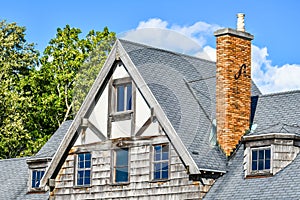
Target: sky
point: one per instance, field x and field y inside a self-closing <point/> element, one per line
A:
<point x="274" y="24"/>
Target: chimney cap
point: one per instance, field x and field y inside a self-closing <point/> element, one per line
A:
<point x="240" y="22"/>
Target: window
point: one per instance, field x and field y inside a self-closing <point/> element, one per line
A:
<point x="161" y="162"/>
<point x="37" y="175"/>
<point x="124" y="97"/>
<point x="121" y="166"/>
<point x="84" y="169"/>
<point x="261" y="159"/>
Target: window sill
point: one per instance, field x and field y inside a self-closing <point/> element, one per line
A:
<point x="81" y="186"/>
<point x="121" y="116"/>
<point x="159" y="180"/>
<point x="120" y="184"/>
<point x="260" y="174"/>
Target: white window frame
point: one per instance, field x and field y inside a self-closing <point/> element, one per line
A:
<point x="263" y="171"/>
<point x="160" y="161"/>
<point x="31" y="177"/>
<point x="114" y="166"/>
<point x="77" y="169"/>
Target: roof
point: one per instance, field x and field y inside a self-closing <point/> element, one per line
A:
<point x="233" y="185"/>
<point x="184" y="86"/>
<point x="14" y="172"/>
<point x="276" y="113"/>
<point x="49" y="149"/>
<point x="14" y="178"/>
<point x="271" y="113"/>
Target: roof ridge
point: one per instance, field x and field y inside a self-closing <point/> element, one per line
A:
<point x="15" y="159"/>
<point x="280" y="93"/>
<point x="165" y="50"/>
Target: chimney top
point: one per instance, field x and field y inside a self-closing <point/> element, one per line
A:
<point x="240" y="22"/>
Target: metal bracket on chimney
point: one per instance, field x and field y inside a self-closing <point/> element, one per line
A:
<point x="241" y="71"/>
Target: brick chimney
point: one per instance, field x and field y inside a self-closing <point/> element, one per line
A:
<point x="233" y="84"/>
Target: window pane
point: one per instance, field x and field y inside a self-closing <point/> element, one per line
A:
<point x="129" y="97"/>
<point x="87" y="177"/>
<point x="80" y="157"/>
<point x="164" y="174"/>
<point x="260" y="164"/>
<point x="80" y="177"/>
<point x="165" y="166"/>
<point x="261" y="154"/>
<point x="122" y="174"/>
<point x="254" y="165"/>
<point x="254" y="155"/>
<point x="157" y="167"/>
<point x="122" y="157"/>
<point x="268" y="154"/>
<point x="157" y="157"/>
<point x="34" y="174"/>
<point x="87" y="156"/>
<point x="120" y="98"/>
<point x="267" y="164"/>
<point x="157" y="148"/>
<point x="88" y="164"/>
<point x="157" y="175"/>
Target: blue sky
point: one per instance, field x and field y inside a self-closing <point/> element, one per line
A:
<point x="273" y="23"/>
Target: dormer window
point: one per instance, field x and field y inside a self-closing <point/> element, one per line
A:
<point x="261" y="160"/>
<point x="36" y="177"/>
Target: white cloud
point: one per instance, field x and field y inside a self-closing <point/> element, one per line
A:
<point x="153" y="23"/>
<point x="272" y="78"/>
<point x="193" y="40"/>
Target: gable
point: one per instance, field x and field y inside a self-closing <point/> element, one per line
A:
<point x="97" y="92"/>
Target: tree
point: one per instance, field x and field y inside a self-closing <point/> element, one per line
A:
<point x="63" y="59"/>
<point x="17" y="60"/>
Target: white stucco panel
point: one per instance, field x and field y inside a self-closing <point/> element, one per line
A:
<point x="121" y="129"/>
<point x="143" y="111"/>
<point x="120" y="72"/>
<point x="99" y="114"/>
<point x="86" y="137"/>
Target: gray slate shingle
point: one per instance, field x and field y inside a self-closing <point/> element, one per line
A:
<point x="14" y="173"/>
<point x="184" y="86"/>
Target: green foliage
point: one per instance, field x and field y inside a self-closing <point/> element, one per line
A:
<point x="38" y="95"/>
<point x="17" y="60"/>
<point x="69" y="66"/>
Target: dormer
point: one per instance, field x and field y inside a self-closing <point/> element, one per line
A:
<point x="267" y="154"/>
<point x="36" y="170"/>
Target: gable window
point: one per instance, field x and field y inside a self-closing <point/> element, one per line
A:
<point x="161" y="161"/>
<point x="83" y="169"/>
<point x="36" y="177"/>
<point x="121" y="165"/>
<point x="124" y="97"/>
<point x="261" y="159"/>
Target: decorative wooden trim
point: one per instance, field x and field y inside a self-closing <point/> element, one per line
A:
<point x="121" y="116"/>
<point x="97" y="132"/>
<point x="144" y="127"/>
<point x="143" y="88"/>
<point x="121" y="81"/>
<point x="68" y="140"/>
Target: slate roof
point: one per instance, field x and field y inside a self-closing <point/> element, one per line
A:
<point x="272" y="113"/>
<point x="14" y="179"/>
<point x="232" y="185"/>
<point x="49" y="149"/>
<point x="184" y="86"/>
<point x="276" y="113"/>
<point x="14" y="173"/>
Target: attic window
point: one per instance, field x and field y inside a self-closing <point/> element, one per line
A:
<point x="261" y="160"/>
<point x="124" y="97"/>
<point x="36" y="177"/>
